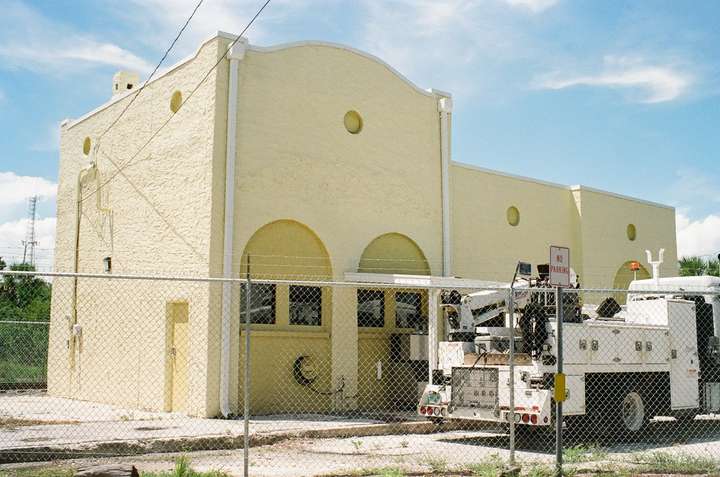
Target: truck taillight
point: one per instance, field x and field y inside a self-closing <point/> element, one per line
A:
<point x="525" y="418"/>
<point x="422" y="409"/>
<point x="534" y="419"/>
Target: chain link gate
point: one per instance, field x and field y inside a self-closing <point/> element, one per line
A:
<point x="418" y="376"/>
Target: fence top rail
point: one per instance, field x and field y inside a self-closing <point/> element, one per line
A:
<point x="349" y="284"/>
<point x="20" y="322"/>
<point x="241" y="280"/>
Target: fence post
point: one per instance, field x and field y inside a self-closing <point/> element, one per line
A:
<point x="246" y="387"/>
<point x="511" y="312"/>
<point x="559" y="402"/>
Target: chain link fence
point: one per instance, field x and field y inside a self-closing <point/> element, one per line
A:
<point x="380" y="374"/>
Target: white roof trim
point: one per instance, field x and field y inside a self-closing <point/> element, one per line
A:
<point x="559" y="186"/>
<point x="229" y="36"/>
<point x="421" y="280"/>
<point x="507" y="174"/>
<point x="620" y="196"/>
<point x="285" y="46"/>
<point x="121" y="96"/>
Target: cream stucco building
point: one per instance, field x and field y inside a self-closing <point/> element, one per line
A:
<point x="333" y="162"/>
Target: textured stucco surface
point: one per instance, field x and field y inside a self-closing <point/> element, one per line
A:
<point x="295" y="161"/>
<point x="160" y="204"/>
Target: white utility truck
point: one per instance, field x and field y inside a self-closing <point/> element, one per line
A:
<point x="657" y="356"/>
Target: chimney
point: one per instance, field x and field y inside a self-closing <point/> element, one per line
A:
<point x="124" y="81"/>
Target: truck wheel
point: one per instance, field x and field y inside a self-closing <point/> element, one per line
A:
<point x="632" y="413"/>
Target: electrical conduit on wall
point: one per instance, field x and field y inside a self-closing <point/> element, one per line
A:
<point x="235" y="55"/>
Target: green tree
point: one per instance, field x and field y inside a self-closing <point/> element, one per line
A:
<point x="692" y="266"/>
<point x="23" y="347"/>
<point x="713" y="268"/>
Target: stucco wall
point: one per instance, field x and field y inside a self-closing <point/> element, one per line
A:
<point x="485" y="246"/>
<point x="604" y="221"/>
<point x="159" y="224"/>
<point x="592" y="223"/>
<point x="297" y="161"/>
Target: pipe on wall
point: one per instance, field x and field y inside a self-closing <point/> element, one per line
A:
<point x="235" y="55"/>
<point x="76" y="262"/>
<point x="445" y="107"/>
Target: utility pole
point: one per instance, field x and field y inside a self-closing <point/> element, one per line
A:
<point x="29" y="243"/>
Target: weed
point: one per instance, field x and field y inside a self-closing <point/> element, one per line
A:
<point x="380" y="471"/>
<point x="404" y="444"/>
<point x="665" y="462"/>
<point x="577" y="454"/>
<point x="183" y="469"/>
<point x="490" y="467"/>
<point x="437" y="465"/>
<point x="540" y="471"/>
<point x="357" y="444"/>
<point x="392" y="473"/>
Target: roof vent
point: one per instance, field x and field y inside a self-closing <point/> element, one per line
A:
<point x="124" y="81"/>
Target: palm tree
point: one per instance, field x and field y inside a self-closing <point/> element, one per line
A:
<point x="692" y="266"/>
<point x="713" y="267"/>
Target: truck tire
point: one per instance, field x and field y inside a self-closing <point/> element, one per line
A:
<point x="631" y="412"/>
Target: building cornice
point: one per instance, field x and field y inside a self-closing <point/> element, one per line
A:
<point x="572" y="188"/>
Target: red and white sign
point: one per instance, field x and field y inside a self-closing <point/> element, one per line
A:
<point x="559" y="266"/>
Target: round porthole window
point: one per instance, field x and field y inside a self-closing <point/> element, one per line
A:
<point x="175" y="101"/>
<point x="353" y="122"/>
<point x="631" y="232"/>
<point x="86" y="146"/>
<point x="513" y="216"/>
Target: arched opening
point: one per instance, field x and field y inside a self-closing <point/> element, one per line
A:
<point x="293" y="320"/>
<point x="286" y="249"/>
<point x="386" y="384"/>
<point x="393" y="253"/>
<point x="625" y="275"/>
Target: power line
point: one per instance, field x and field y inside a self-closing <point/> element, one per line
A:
<point x="157" y="67"/>
<point x="165" y="123"/>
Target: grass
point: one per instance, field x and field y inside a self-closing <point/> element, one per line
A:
<point x="379" y="471"/>
<point x="676" y="463"/>
<point x="578" y="454"/>
<point x="13" y="372"/>
<point x="39" y="472"/>
<point x="183" y="469"/>
<point x="489" y="467"/>
<point x="437" y="465"/>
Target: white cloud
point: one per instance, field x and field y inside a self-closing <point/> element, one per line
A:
<point x="15" y="189"/>
<point x="656" y="83"/>
<point x="28" y="40"/>
<point x="535" y="6"/>
<point x="461" y="46"/>
<point x="698" y="237"/>
<point x="13" y="233"/>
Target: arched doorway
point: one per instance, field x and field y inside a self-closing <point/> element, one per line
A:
<point x="625" y="275"/>
<point x="383" y="383"/>
<point x="291" y="323"/>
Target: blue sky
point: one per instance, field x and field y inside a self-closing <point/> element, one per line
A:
<point x="617" y="95"/>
